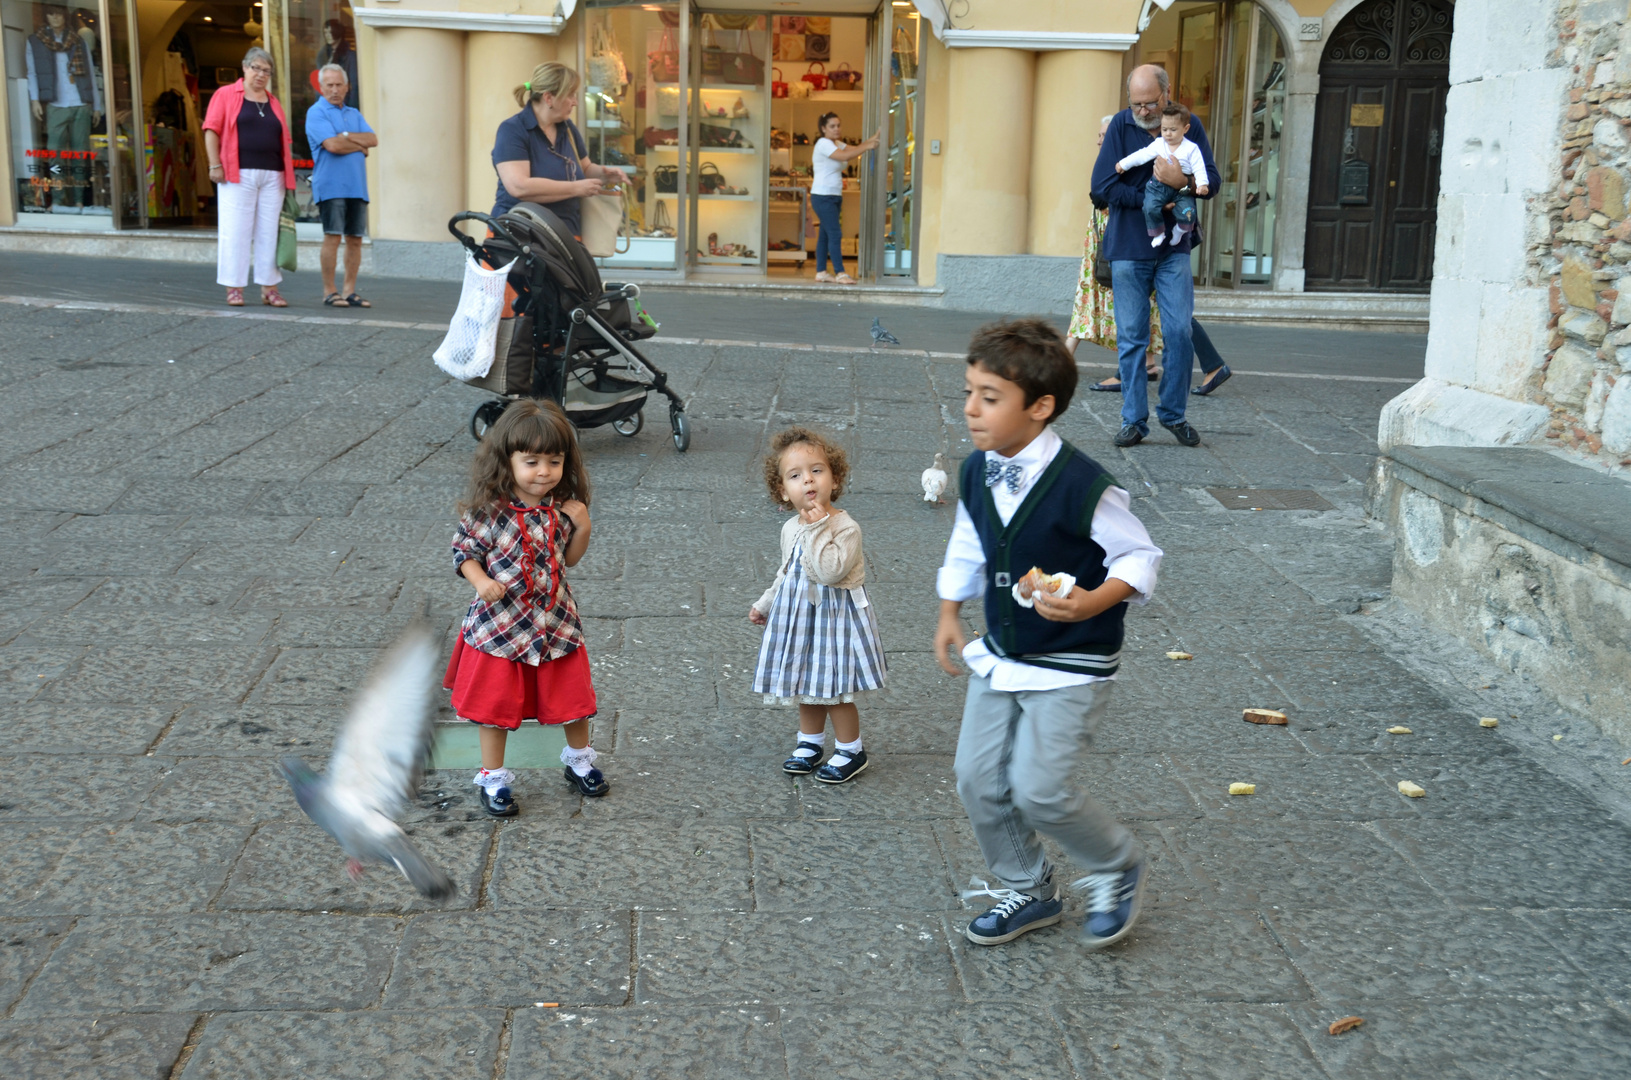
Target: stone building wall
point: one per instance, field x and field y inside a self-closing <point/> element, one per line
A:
<point x="1586" y="250"/>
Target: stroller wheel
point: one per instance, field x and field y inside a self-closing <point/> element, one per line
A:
<point x="682" y="431"/>
<point x="630" y="426"/>
<point x="485" y="416"/>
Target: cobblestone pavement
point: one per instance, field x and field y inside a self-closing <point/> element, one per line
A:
<point x="213" y="525"/>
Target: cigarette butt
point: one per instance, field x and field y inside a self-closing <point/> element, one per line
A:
<point x="1415" y="791"/>
<point x="1400" y="730"/>
<point x="1263" y="716"/>
<point x="546" y="1004"/>
<point x="1627" y="761"/>
<point x="1243" y="789"/>
<point x="1180" y="656"/>
<point x="1488" y="721"/>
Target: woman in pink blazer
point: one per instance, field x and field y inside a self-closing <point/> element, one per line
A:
<point x="248" y="142"/>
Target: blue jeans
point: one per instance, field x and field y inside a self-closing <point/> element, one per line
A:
<point x="1205" y="352"/>
<point x="828" y="240"/>
<point x="1132" y="280"/>
<point x="1156" y="197"/>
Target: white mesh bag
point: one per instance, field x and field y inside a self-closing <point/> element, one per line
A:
<point x="467" y="351"/>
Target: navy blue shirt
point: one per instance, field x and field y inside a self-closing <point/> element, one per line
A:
<point x="1124" y="234"/>
<point x="521" y="139"/>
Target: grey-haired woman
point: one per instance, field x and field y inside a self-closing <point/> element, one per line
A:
<point x="247" y="139"/>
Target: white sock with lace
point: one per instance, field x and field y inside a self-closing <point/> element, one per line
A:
<point x="843" y="753"/>
<point x="810" y="746"/>
<point x="579" y="761"/>
<point x="493" y="779"/>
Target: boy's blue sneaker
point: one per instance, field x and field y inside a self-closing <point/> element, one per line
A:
<point x="1015" y="913"/>
<point x="1114" y="901"/>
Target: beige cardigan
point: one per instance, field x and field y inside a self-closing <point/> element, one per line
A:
<point x="832" y="555"/>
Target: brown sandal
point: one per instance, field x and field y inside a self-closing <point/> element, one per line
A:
<point x="272" y="298"/>
<point x="235" y="298"/>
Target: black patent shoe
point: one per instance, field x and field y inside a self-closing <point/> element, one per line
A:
<point x="799" y="765"/>
<point x="838" y="774"/>
<point x="593" y="786"/>
<point x="499" y="804"/>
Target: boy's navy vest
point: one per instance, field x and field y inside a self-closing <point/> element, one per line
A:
<point x="1052" y="529"/>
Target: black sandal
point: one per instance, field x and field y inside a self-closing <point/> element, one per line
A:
<point x="356" y="301"/>
<point x="334" y="299"/>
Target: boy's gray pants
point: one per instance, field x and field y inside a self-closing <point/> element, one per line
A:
<point x="1016" y="755"/>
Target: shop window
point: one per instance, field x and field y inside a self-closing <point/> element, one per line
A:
<point x="630" y="116"/>
<point x="57" y="96"/>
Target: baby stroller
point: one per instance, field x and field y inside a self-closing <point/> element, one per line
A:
<point x="572" y="338"/>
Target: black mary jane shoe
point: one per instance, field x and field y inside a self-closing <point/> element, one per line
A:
<point x="838" y="774"/>
<point x="1105" y="387"/>
<point x="500" y="803"/>
<point x="799" y="765"/>
<point x="592" y="786"/>
<point x="1214" y="382"/>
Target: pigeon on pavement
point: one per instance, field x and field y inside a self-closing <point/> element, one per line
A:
<point x="934" y="480"/>
<point x="376" y="766"/>
<point x="880" y="336"/>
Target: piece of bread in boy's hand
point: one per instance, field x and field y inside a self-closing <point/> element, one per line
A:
<point x="1038" y="580"/>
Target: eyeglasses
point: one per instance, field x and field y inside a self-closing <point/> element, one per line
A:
<point x="1145" y="106"/>
<point x="260" y="69"/>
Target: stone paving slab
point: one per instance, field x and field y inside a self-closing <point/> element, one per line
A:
<point x="511" y="959"/>
<point x="1189" y="1041"/>
<point x="633" y="1044"/>
<point x="423" y="1045"/>
<point x="108" y="1047"/>
<point x="214" y="962"/>
<point x="968" y="1042"/>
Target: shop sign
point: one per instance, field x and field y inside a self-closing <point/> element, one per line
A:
<point x="62" y="155"/>
<point x="1365" y="116"/>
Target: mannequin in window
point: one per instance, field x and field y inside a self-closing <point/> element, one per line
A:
<point x="338" y="49"/>
<point x="63" y="95"/>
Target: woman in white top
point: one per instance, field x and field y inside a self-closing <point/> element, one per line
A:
<point x="828" y="158"/>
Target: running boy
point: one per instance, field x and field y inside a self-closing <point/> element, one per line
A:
<point x="1041" y="677"/>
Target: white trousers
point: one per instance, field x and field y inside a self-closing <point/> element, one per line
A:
<point x="247" y="215"/>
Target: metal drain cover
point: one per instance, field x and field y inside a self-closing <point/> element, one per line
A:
<point x="1269" y="499"/>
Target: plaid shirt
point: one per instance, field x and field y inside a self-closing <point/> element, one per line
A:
<point x="537" y="619"/>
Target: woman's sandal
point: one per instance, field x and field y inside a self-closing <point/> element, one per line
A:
<point x="272" y="298"/>
<point x="356" y="301"/>
<point x="822" y="275"/>
<point x="844" y="279"/>
<point x="235" y="298"/>
<point x="334" y="299"/>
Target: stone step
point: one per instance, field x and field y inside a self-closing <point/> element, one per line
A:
<point x="1391" y="312"/>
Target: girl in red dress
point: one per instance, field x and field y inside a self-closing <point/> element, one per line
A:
<point x="520" y="654"/>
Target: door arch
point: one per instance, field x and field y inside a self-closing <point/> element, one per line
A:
<point x="1378" y="139"/>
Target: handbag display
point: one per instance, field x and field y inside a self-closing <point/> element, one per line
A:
<point x="660" y="223"/>
<point x="668" y="101"/>
<point x="664" y="62"/>
<point x="605" y="222"/>
<point x="713" y="57"/>
<point x="778" y="85"/>
<point x="799" y="89"/>
<point x="607" y="71"/>
<point x="667" y="179"/>
<point x="845" y="78"/>
<point x="710" y="179"/>
<point x="654" y="136"/>
<point x="743" y="66"/>
<point x="816" y="79"/>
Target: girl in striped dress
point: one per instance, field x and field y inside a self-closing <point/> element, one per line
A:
<point x="821" y="650"/>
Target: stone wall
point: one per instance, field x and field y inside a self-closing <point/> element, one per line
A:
<point x="1586" y="383"/>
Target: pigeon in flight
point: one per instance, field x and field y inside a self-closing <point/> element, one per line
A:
<point x="376" y="766"/>
<point x="880" y="336"/>
<point x="934" y="480"/>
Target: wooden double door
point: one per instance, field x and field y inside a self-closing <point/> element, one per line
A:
<point x="1378" y="144"/>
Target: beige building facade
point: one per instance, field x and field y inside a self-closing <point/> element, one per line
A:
<point x="989" y="108"/>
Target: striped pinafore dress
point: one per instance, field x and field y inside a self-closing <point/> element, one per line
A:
<point x="821" y="644"/>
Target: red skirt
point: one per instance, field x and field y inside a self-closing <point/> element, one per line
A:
<point x="492" y="690"/>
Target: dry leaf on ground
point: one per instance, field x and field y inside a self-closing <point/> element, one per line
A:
<point x="1347" y="1023"/>
<point x="1263" y="716"/>
<point x="1400" y="730"/>
<point x="1180" y="656"/>
<point x="1415" y="791"/>
<point x="1488" y="721"/>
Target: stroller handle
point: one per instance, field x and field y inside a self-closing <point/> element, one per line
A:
<point x="491" y="222"/>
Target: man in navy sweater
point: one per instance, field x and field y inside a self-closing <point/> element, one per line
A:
<point x="1136" y="267"/>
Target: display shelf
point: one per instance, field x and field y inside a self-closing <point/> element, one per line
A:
<point x="727" y="260"/>
<point x="840" y="97"/>
<point x="665" y="148"/>
<point x="728" y="198"/>
<point x="786" y="208"/>
<point x="787" y="256"/>
<point x="603" y="124"/>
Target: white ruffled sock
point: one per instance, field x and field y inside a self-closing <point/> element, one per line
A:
<point x="579" y="761"/>
<point x="493" y="779"/>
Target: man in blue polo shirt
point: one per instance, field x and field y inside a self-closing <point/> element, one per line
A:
<point x="1136" y="268"/>
<point x="340" y="139"/>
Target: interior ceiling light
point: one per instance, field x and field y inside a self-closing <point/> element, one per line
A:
<point x="208" y="19"/>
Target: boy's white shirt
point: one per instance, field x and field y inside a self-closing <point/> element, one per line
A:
<point x="1188" y="156"/>
<point x="1129" y="555"/>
